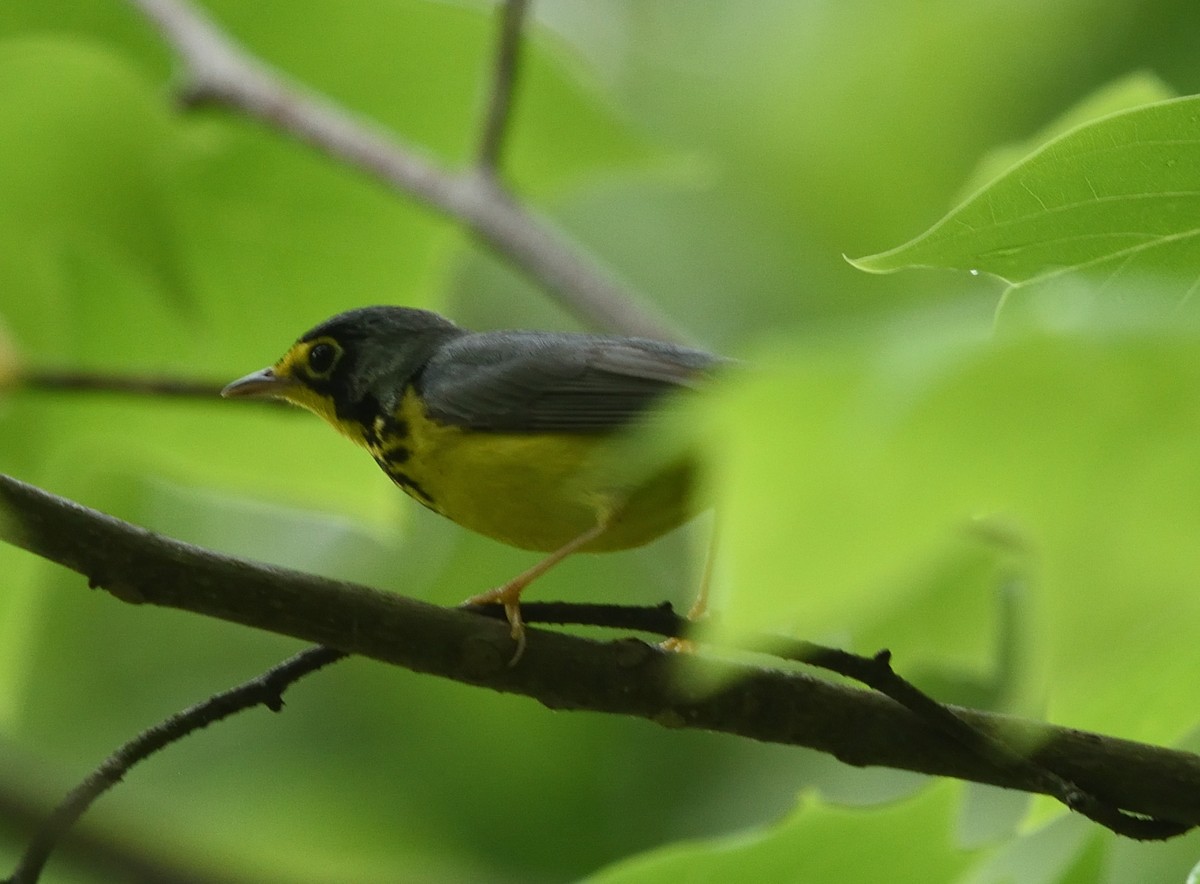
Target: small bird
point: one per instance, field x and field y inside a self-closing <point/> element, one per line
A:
<point x="511" y="434"/>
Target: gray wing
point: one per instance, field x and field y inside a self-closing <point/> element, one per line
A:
<point x="521" y="381"/>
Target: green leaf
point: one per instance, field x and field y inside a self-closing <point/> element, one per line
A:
<point x="1129" y="92"/>
<point x="1113" y="199"/>
<point x="87" y="225"/>
<point x="1049" y="854"/>
<point x="817" y="842"/>
<point x="20" y="609"/>
<point x="851" y="466"/>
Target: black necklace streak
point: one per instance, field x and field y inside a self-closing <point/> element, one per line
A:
<point x="387" y="439"/>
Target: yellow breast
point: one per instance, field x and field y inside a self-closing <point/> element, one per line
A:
<point x="536" y="491"/>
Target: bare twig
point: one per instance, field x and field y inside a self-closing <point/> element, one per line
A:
<point x="504" y="77"/>
<point x="267" y="690"/>
<point x="160" y="386"/>
<point x="877" y="672"/>
<point x="102" y="852"/>
<point x="100" y="382"/>
<point x="567" y="672"/>
<point x="218" y="70"/>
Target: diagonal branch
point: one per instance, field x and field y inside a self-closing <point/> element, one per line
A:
<point x="219" y="71"/>
<point x="266" y="690"/>
<point x="504" y="78"/>
<point x="567" y="672"/>
<point x="23" y="786"/>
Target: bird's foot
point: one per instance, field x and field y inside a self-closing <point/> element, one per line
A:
<point x="678" y="645"/>
<point x="508" y="595"/>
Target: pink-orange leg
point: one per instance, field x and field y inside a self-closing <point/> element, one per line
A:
<point x="700" y="606"/>
<point x="509" y="594"/>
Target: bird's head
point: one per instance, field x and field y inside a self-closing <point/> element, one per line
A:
<point x="352" y="366"/>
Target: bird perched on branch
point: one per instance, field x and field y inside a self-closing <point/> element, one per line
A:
<point x="514" y="434"/>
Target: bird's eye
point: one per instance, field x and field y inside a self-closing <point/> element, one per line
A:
<point x="321" y="358"/>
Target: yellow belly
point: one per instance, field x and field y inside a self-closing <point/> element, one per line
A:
<point x="535" y="491"/>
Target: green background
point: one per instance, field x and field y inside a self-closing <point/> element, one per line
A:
<point x="722" y="158"/>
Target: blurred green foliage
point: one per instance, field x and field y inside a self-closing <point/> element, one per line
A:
<point x="723" y="157"/>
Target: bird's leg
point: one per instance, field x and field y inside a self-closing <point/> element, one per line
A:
<point x="509" y="594"/>
<point x="700" y="606"/>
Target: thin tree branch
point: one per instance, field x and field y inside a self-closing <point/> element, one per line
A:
<point x="99" y="382"/>
<point x="568" y="672"/>
<point x="219" y="71"/>
<point x="505" y="67"/>
<point x="70" y="381"/>
<point x="23" y="810"/>
<point x="877" y="672"/>
<point x="267" y="690"/>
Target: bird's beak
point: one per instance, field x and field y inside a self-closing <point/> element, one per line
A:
<point x="263" y="384"/>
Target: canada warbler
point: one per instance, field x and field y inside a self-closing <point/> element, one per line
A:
<point x="508" y="433"/>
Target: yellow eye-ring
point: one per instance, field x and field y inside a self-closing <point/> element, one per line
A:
<point x="322" y="357"/>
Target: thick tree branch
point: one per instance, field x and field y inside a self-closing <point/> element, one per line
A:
<point x="219" y="71"/>
<point x="875" y="672"/>
<point x="566" y="672"/>
<point x="267" y="689"/>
